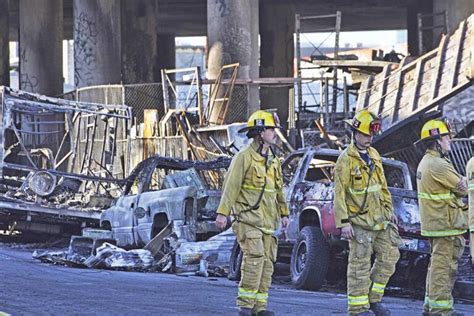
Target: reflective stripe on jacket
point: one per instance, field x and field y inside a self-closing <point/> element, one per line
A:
<point x="441" y="209"/>
<point x="350" y="185"/>
<point x="242" y="187"/>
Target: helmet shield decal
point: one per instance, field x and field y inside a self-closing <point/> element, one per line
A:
<point x="434" y="132"/>
<point x="259" y="122"/>
<point x="375" y="127"/>
<point x="355" y="123"/>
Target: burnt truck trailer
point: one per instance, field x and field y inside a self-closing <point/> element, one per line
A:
<point x="61" y="162"/>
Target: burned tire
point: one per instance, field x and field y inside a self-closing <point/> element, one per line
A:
<point x="235" y="263"/>
<point x="309" y="259"/>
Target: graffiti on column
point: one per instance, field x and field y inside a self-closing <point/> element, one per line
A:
<point x="27" y="82"/>
<point x="85" y="40"/>
<point x="223" y="8"/>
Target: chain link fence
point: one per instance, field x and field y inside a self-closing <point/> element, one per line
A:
<point x="150" y="96"/>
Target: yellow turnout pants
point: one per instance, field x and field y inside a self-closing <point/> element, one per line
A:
<point x="445" y="252"/>
<point x="259" y="254"/>
<point x="366" y="285"/>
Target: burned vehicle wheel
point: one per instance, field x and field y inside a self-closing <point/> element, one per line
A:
<point x="235" y="263"/>
<point x="309" y="259"/>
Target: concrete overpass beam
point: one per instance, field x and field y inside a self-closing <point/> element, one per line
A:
<point x="41" y="34"/>
<point x="4" y="44"/>
<point x="232" y="36"/>
<point x="97" y="42"/>
<point x="277" y="25"/>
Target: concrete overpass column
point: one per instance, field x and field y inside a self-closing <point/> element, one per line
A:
<point x="277" y="25"/>
<point x="232" y="36"/>
<point x="457" y="10"/>
<point x="41" y="34"/>
<point x="140" y="59"/>
<point x="4" y="44"/>
<point x="413" y="8"/>
<point x="97" y="42"/>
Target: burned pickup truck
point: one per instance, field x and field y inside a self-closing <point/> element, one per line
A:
<point x="61" y="162"/>
<point x="311" y="243"/>
<point x="164" y="194"/>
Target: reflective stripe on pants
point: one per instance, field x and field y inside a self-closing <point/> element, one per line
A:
<point x="378" y="288"/>
<point x="262" y="297"/>
<point x="252" y="294"/>
<point x="358" y="300"/>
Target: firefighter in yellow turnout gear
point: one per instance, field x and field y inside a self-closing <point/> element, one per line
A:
<point x="470" y="182"/>
<point x="363" y="209"/>
<point x="443" y="216"/>
<point x="253" y="195"/>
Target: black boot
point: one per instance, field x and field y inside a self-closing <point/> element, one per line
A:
<point x="379" y="309"/>
<point x="265" y="313"/>
<point x="244" y="311"/>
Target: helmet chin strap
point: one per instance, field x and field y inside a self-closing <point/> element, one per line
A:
<point x="261" y="144"/>
<point x="440" y="150"/>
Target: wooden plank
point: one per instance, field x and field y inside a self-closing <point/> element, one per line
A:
<point x="400" y="80"/>
<point x="364" y="98"/>
<point x="417" y="75"/>
<point x="458" y="53"/>
<point x="385" y="75"/>
<point x="155" y="245"/>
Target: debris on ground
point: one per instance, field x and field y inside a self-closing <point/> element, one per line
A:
<point x="206" y="258"/>
<point x="108" y="256"/>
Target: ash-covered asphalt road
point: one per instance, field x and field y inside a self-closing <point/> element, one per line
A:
<point x="29" y="287"/>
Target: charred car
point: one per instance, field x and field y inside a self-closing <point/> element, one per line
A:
<point x="164" y="192"/>
<point x="311" y="244"/>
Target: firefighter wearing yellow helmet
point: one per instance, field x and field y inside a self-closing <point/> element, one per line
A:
<point x="364" y="212"/>
<point x="253" y="195"/>
<point x="443" y="216"/>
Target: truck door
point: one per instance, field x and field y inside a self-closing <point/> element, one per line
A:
<point x="142" y="212"/>
<point x="123" y="221"/>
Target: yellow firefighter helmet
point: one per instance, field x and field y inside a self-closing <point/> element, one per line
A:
<point x="366" y="122"/>
<point x="434" y="129"/>
<point x="260" y="120"/>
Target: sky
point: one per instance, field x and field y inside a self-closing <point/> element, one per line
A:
<point x="368" y="39"/>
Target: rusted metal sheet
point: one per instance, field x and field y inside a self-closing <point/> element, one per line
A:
<point x="400" y="95"/>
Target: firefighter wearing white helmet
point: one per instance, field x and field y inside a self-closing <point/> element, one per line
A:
<point x="253" y="195"/>
<point x="364" y="212"/>
<point x="443" y="216"/>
